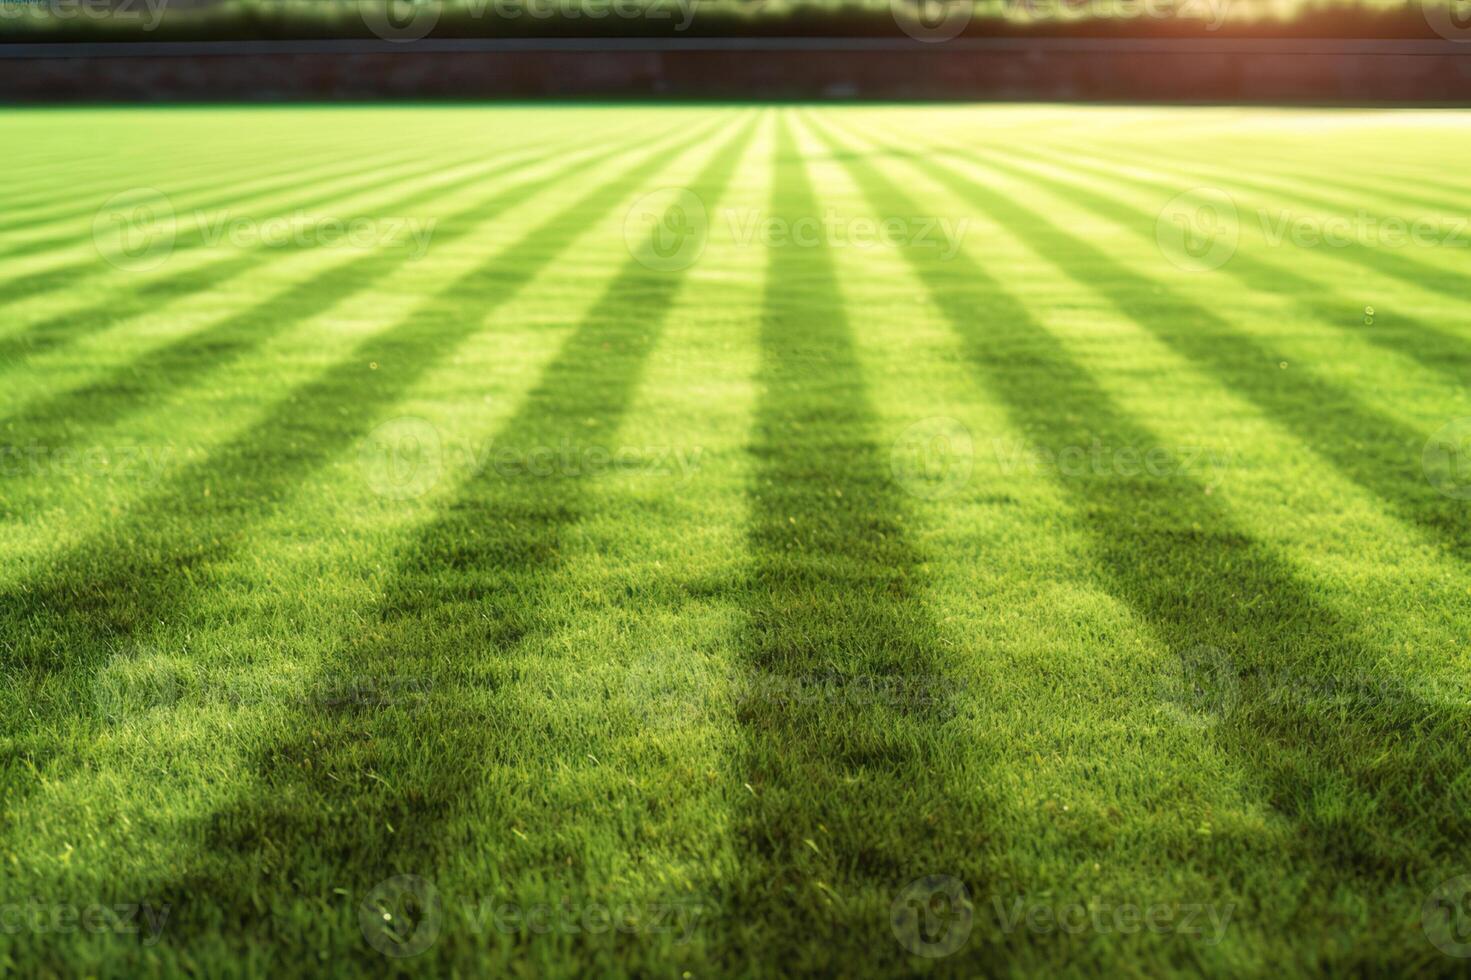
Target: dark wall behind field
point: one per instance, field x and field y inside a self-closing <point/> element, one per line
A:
<point x="1351" y="72"/>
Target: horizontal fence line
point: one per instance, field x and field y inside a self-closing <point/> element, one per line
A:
<point x="1284" y="47"/>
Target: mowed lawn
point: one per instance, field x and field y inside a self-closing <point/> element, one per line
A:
<point x="727" y="540"/>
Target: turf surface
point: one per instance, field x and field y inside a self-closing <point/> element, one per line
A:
<point x="734" y="540"/>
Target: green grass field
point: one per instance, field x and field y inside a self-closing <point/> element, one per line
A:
<point x="724" y="540"/>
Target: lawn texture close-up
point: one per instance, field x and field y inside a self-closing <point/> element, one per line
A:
<point x="739" y="540"/>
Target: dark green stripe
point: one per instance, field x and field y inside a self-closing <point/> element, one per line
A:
<point x="65" y="327"/>
<point x="68" y="417"/>
<point x="1216" y="595"/>
<point x="495" y="550"/>
<point x="138" y="570"/>
<point x="1374" y="450"/>
<point x="844" y="698"/>
<point x="1433" y="346"/>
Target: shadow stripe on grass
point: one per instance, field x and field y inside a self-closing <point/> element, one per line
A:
<point x="61" y="179"/>
<point x="68" y="273"/>
<point x="142" y="572"/>
<point x="1445" y="353"/>
<point x="1369" y="448"/>
<point x="1290" y="169"/>
<point x="52" y="332"/>
<point x="291" y="178"/>
<point x="844" y="659"/>
<point x="129" y="575"/>
<point x="64" y="418"/>
<point x="1427" y="276"/>
<point x="362" y="795"/>
<point x="64" y="327"/>
<point x="1375" y="791"/>
<point x="105" y="182"/>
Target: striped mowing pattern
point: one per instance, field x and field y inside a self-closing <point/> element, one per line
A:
<point x="723" y="517"/>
